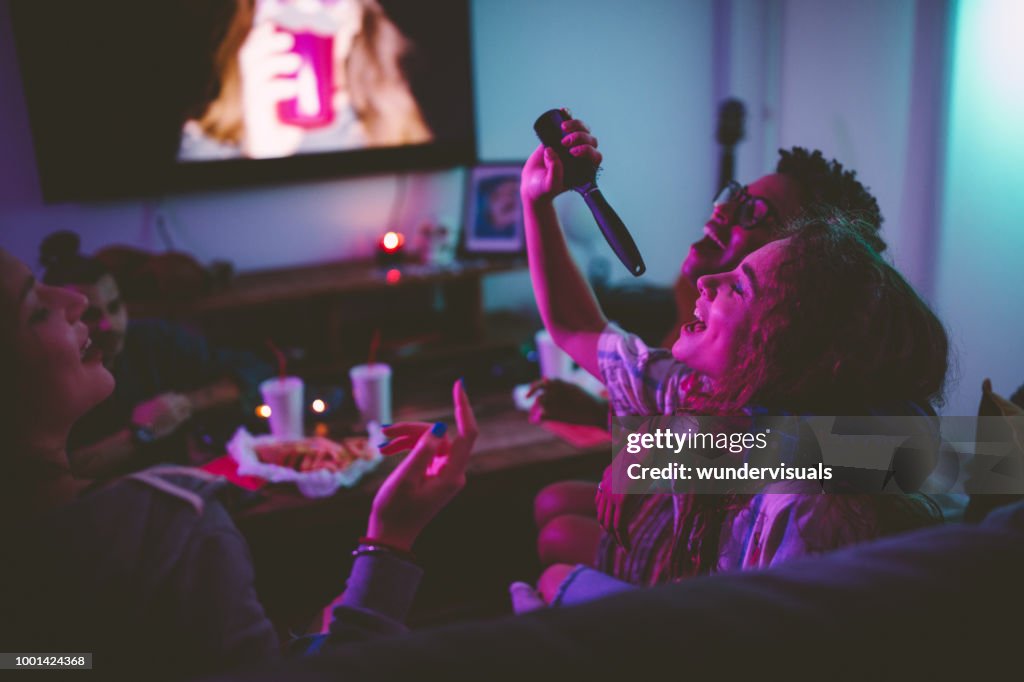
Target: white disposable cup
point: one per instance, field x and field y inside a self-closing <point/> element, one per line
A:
<point x="554" y="362"/>
<point x="371" y="388"/>
<point x="284" y="396"/>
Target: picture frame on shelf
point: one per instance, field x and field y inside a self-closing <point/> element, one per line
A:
<point x="493" y="213"/>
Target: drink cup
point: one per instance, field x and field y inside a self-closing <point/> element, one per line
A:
<point x="554" y="362"/>
<point x="314" y="106"/>
<point x="284" y="397"/>
<point x="371" y="388"/>
<point x="313" y="25"/>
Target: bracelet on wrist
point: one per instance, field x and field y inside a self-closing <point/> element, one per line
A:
<point x="369" y="546"/>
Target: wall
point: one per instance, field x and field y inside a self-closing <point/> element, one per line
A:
<point x="981" y="256"/>
<point x="845" y="89"/>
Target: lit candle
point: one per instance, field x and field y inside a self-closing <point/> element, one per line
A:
<point x="390" y="248"/>
<point x="391" y="242"/>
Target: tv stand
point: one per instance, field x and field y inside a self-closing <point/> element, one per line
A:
<point x="332" y="311"/>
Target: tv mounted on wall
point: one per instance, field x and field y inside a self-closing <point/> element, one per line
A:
<point x="135" y="98"/>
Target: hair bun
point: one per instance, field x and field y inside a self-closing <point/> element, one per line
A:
<point x="59" y="247"/>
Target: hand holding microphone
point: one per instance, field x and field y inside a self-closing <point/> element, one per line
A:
<point x="570" y="160"/>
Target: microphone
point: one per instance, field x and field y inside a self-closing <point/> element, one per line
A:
<point x="581" y="176"/>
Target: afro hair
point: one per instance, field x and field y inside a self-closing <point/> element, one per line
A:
<point x="827" y="185"/>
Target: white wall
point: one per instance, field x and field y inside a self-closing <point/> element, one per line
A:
<point x="845" y="89"/>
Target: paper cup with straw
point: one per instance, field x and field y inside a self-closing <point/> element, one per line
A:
<point x="284" y="395"/>
<point x="371" y="386"/>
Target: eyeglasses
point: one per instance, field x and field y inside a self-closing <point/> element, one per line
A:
<point x="749" y="211"/>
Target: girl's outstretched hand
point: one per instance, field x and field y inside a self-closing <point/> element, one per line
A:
<point x="427" y="479"/>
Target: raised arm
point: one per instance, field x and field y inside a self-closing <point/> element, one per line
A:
<point x="566" y="302"/>
<point x="383" y="581"/>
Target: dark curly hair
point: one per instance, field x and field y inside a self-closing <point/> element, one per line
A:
<point x="826" y="183"/>
<point x="842" y="331"/>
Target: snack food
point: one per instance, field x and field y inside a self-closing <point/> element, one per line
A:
<point x="312" y="454"/>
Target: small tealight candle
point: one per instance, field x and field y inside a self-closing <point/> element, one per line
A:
<point x="391" y="247"/>
<point x="392" y="241"/>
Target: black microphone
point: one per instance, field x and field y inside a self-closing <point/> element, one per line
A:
<point x="581" y="176"/>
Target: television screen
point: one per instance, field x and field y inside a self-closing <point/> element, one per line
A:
<point x="131" y="97"/>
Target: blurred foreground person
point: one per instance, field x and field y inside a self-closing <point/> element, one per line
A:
<point x="149" y="572"/>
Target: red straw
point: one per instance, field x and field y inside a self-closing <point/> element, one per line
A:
<point x="282" y="363"/>
<point x="374" y="345"/>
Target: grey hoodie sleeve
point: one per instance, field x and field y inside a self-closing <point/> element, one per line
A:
<point x="382" y="583"/>
<point x="377" y="597"/>
<point x="216" y="603"/>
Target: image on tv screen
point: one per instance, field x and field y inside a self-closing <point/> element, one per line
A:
<point x="133" y="97"/>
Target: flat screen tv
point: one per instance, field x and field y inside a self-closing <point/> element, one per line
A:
<point x="146" y="97"/>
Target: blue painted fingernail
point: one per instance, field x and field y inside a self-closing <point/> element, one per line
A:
<point x="439" y="429"/>
<point x="384" y="444"/>
<point x="385" y="426"/>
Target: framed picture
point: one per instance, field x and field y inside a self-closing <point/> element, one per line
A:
<point x="493" y="216"/>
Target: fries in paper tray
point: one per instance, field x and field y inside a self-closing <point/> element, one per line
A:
<point x="317" y="466"/>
